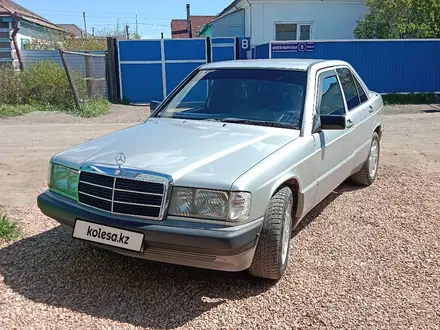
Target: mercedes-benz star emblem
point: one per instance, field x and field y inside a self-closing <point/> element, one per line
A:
<point x="120" y="160"/>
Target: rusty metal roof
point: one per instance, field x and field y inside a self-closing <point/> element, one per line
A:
<point x="8" y="7"/>
<point x="178" y="26"/>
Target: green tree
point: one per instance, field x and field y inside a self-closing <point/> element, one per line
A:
<point x="400" y="19"/>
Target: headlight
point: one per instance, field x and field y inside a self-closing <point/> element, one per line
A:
<point x="64" y="181"/>
<point x="210" y="204"/>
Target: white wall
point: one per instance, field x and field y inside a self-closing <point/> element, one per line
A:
<point x="330" y="19"/>
<point x="28" y="33"/>
<point x="247" y="21"/>
<point x="232" y="25"/>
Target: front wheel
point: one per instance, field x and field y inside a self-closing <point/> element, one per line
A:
<point x="368" y="173"/>
<point x="272" y="252"/>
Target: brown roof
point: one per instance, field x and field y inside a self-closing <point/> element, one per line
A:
<point x="178" y="26"/>
<point x="73" y="29"/>
<point x="9" y="7"/>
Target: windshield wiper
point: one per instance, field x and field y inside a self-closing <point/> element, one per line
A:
<point x="257" y="122"/>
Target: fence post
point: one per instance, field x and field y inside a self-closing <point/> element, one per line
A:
<point x="112" y="71"/>
<point x="89" y="81"/>
<point x="208" y="50"/>
<point x="69" y="77"/>
<point x="237" y="48"/>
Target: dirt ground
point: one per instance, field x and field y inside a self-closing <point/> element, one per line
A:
<point x="363" y="258"/>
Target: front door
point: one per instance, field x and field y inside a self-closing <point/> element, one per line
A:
<point x="335" y="147"/>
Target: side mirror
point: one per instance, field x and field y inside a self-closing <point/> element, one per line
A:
<point x="154" y="105"/>
<point x="332" y="122"/>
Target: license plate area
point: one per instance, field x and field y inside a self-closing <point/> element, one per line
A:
<point x="108" y="235"/>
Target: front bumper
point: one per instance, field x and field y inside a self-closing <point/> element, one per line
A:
<point x="173" y="241"/>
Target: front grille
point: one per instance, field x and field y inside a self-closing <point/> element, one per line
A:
<point x="134" y="197"/>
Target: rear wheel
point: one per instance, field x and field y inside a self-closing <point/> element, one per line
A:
<point x="368" y="173"/>
<point x="272" y="252"/>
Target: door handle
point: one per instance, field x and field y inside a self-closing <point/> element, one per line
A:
<point x="370" y="109"/>
<point x="350" y="123"/>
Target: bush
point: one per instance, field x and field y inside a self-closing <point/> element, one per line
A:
<point x="46" y="83"/>
<point x="43" y="83"/>
<point x="44" y="86"/>
<point x="412" y="98"/>
<point x="11" y="86"/>
<point x="67" y="44"/>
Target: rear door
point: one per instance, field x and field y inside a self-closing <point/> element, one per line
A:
<point x="360" y="114"/>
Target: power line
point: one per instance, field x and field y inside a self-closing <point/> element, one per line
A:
<point x="132" y="14"/>
<point x="131" y="19"/>
<point x="146" y="24"/>
<point x="121" y="17"/>
<point x="96" y="12"/>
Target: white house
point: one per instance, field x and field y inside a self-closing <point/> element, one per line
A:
<point x="267" y="20"/>
<point x="19" y="26"/>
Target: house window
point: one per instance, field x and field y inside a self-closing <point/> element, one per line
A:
<point x="286" y="31"/>
<point x="305" y="32"/>
<point x="24" y="43"/>
<point x="293" y="31"/>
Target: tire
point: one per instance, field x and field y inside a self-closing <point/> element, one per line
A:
<point x="365" y="176"/>
<point x="270" y="260"/>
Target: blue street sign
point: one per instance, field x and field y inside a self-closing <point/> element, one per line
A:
<point x="293" y="47"/>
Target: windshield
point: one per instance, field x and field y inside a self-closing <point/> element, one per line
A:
<point x="260" y="97"/>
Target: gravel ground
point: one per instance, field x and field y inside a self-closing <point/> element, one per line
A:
<point x="363" y="258"/>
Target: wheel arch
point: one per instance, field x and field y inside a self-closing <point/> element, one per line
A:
<point x="294" y="184"/>
<point x="379" y="130"/>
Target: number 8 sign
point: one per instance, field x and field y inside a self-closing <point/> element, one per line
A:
<point x="245" y="43"/>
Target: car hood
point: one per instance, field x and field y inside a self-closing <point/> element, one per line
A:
<point x="194" y="153"/>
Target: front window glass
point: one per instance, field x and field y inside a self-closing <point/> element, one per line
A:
<point x="332" y="102"/>
<point x="248" y="96"/>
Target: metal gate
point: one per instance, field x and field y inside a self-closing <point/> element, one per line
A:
<point x="151" y="69"/>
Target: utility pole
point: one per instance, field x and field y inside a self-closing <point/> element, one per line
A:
<point x="93" y="31"/>
<point x="188" y="20"/>
<point x="85" y="23"/>
<point x="137" y="31"/>
<point x="126" y="32"/>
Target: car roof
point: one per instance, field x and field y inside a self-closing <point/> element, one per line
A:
<point x="290" y="64"/>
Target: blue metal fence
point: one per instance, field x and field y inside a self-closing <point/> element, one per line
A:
<point x="151" y="69"/>
<point x="387" y="66"/>
<point x="261" y="51"/>
<point x="223" y="49"/>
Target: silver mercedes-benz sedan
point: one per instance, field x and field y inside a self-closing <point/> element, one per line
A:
<point x="226" y="166"/>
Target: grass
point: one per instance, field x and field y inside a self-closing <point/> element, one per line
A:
<point x="12" y="110"/>
<point x="91" y="108"/>
<point x="9" y="230"/>
<point x="412" y="98"/>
